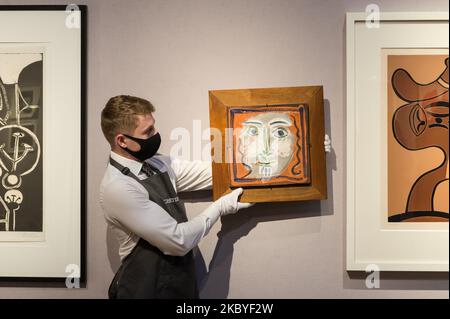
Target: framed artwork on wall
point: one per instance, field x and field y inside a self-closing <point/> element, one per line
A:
<point x="42" y="146"/>
<point x="397" y="142"/>
<point x="269" y="142"/>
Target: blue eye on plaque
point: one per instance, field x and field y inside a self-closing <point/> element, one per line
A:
<point x="252" y="130"/>
<point x="280" y="133"/>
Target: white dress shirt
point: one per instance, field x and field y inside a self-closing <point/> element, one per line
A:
<point x="131" y="215"/>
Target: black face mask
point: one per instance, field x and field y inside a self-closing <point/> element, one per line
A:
<point x="149" y="146"/>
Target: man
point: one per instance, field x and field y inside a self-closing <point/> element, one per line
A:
<point x="139" y="197"/>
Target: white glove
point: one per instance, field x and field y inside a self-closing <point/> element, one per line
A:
<point x="229" y="204"/>
<point x="327" y="144"/>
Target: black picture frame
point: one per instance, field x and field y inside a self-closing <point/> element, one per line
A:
<point x="82" y="279"/>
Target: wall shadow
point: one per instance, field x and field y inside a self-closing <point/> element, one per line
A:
<point x="214" y="280"/>
<point x="327" y="206"/>
<point x="399" y="280"/>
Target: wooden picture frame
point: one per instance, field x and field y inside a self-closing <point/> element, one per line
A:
<point x="222" y="102"/>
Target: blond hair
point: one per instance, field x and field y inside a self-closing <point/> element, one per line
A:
<point x="119" y="115"/>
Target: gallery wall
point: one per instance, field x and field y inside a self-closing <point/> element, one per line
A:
<point x="173" y="52"/>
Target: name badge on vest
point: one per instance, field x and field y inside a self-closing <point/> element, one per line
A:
<point x="171" y="200"/>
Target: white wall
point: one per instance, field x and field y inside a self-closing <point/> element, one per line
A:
<point x="173" y="52"/>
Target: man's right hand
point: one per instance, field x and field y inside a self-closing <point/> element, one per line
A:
<point x="229" y="204"/>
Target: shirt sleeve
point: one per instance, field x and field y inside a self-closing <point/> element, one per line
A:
<point x="192" y="175"/>
<point x="189" y="175"/>
<point x="130" y="206"/>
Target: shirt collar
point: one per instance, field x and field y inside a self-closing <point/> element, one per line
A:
<point x="134" y="166"/>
